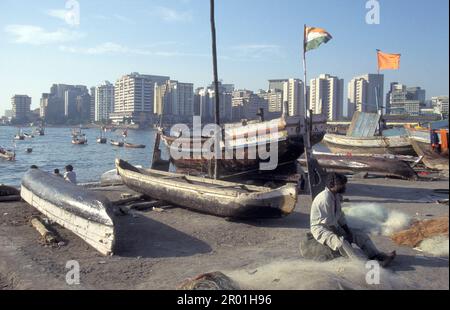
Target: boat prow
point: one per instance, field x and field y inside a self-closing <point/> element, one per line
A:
<point x="218" y="198"/>
<point x="87" y="214"/>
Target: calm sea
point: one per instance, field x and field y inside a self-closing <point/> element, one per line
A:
<point x="55" y="150"/>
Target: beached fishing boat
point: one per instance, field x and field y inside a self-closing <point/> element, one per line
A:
<point x="434" y="157"/>
<point x="87" y="214"/>
<point x="117" y="143"/>
<point x="376" y="165"/>
<point x="396" y="145"/>
<point x="224" y="199"/>
<point x="286" y="133"/>
<point x="134" y="146"/>
<point x="7" y="154"/>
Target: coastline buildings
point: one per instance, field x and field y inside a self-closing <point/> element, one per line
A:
<point x="327" y="96"/>
<point x="103" y="101"/>
<point x="20" y="107"/>
<point x="440" y="105"/>
<point x="365" y="92"/>
<point x="64" y="103"/>
<point x="175" y="101"/>
<point x="134" y="98"/>
<point x="206" y="102"/>
<point x="294" y="95"/>
<point x="403" y="100"/>
<point x="247" y="105"/>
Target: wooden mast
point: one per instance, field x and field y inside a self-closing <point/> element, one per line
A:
<point x="216" y="88"/>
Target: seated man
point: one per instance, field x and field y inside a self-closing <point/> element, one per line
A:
<point x="329" y="226"/>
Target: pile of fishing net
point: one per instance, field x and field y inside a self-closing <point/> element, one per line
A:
<point x="430" y="236"/>
<point x="215" y="281"/>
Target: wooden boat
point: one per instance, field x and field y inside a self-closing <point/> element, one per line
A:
<point x="102" y="140"/>
<point x="79" y="140"/>
<point x="117" y="143"/>
<point x="7" y="154"/>
<point x="28" y="135"/>
<point x="396" y="145"/>
<point x="19" y="136"/>
<point x="287" y="135"/>
<point x="40" y="131"/>
<point x="224" y="199"/>
<point x="134" y="146"/>
<point x="382" y="166"/>
<point x="87" y="214"/>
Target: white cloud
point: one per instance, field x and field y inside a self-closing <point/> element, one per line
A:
<point x="111" y="48"/>
<point x="171" y="15"/>
<point x="257" y="51"/>
<point x="104" y="48"/>
<point x="35" y="35"/>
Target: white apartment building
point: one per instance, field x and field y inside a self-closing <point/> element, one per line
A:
<point x="174" y="98"/>
<point x="365" y="93"/>
<point x="104" y="101"/>
<point x="294" y="95"/>
<point x="327" y="96"/>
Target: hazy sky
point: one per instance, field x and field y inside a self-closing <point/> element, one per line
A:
<point x="258" y="40"/>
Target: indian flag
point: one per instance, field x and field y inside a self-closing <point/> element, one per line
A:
<point x="314" y="37"/>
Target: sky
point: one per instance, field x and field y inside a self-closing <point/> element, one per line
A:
<point x="40" y="44"/>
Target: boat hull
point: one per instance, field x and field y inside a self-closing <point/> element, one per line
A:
<point x="88" y="215"/>
<point x="208" y="196"/>
<point x="373" y="165"/>
<point x="431" y="159"/>
<point x="370" y="145"/>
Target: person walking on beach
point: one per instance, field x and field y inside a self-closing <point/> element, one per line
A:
<point x="70" y="175"/>
<point x="329" y="226"/>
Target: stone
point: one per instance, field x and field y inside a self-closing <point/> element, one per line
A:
<point x="312" y="250"/>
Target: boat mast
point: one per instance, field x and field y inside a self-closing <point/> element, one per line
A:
<point x="216" y="87"/>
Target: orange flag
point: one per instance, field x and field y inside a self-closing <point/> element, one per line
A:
<point x="388" y="61"/>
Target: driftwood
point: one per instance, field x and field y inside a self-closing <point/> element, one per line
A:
<point x="47" y="235"/>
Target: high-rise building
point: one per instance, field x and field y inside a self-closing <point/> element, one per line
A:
<point x="83" y="108"/>
<point x="440" y="105"/>
<point x="247" y="105"/>
<point x="207" y="103"/>
<point x="134" y="97"/>
<point x="104" y="101"/>
<point x="327" y="96"/>
<point x="274" y="100"/>
<point x="294" y="95"/>
<point x="277" y="85"/>
<point x="92" y="114"/>
<point x="365" y="94"/>
<point x="61" y="103"/>
<point x="401" y="100"/>
<point x="20" y="107"/>
<point x="175" y="99"/>
<point x="70" y="101"/>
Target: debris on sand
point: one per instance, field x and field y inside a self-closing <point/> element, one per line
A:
<point x="215" y="281"/>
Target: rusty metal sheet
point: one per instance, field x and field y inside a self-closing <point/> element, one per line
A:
<point x="364" y="125"/>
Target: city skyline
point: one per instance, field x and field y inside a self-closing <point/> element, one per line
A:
<point x="38" y="49"/>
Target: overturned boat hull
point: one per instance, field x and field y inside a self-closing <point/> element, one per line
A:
<point x="88" y="215"/>
<point x="397" y="145"/>
<point x="373" y="165"/>
<point x="430" y="158"/>
<point x="218" y="198"/>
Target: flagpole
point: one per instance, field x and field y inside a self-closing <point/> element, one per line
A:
<point x="308" y="122"/>
<point x="216" y="87"/>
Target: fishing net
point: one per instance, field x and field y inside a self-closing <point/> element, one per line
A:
<point x="215" y="281"/>
<point x="421" y="231"/>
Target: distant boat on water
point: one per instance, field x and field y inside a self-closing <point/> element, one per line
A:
<point x="117" y="143"/>
<point x="134" y="146"/>
<point x="8" y="155"/>
<point x="78" y="138"/>
<point x="19" y="135"/>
